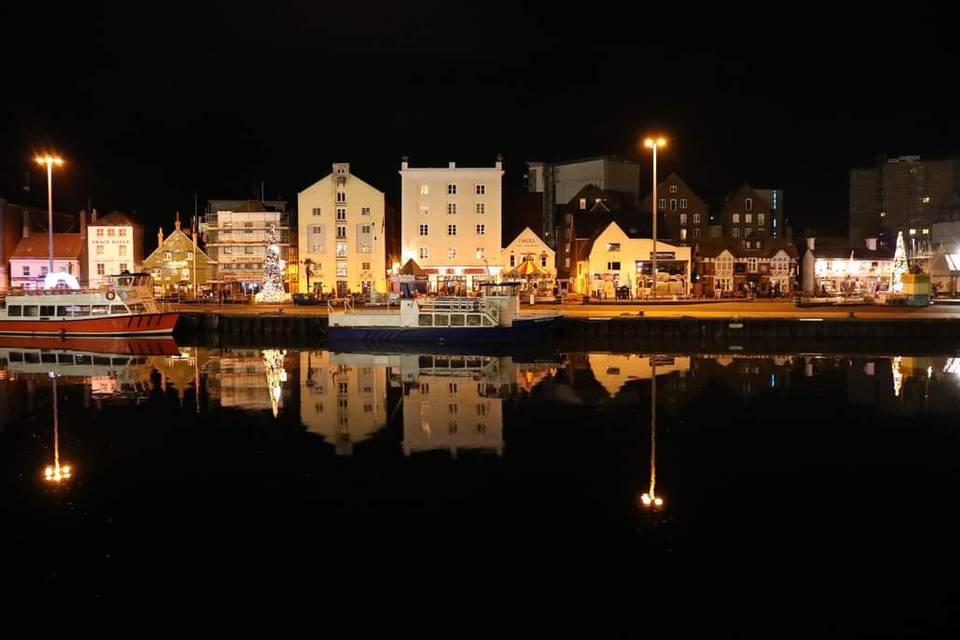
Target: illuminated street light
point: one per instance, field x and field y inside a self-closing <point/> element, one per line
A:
<point x="650" y="143"/>
<point x="56" y="472"/>
<point x="48" y="161"/>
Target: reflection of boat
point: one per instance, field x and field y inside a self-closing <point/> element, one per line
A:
<point x="495" y="316"/>
<point x="126" y="307"/>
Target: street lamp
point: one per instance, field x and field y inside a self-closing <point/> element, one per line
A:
<point x="651" y="143"/>
<point x="48" y="161"/>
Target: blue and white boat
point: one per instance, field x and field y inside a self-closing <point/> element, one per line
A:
<point x="493" y="317"/>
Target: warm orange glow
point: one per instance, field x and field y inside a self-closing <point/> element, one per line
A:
<point x="650" y="143"/>
<point x="48" y="160"/>
<point x="57" y="473"/>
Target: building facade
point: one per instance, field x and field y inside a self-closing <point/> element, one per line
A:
<point x="726" y="268"/>
<point x="753" y="215"/>
<point x="29" y="262"/>
<point x="450" y="224"/>
<point x="178" y="265"/>
<point x="341" y="232"/>
<point x="528" y="247"/>
<point x="114" y="245"/>
<point x="900" y="194"/>
<point x="237" y="241"/>
<point x="685" y="215"/>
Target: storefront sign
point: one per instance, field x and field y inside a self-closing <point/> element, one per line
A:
<point x="665" y="255"/>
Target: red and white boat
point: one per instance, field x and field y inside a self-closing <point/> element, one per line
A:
<point x="124" y="307"/>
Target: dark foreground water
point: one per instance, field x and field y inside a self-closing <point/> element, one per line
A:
<point x="788" y="494"/>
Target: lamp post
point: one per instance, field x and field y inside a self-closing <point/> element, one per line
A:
<point x="49" y="161"/>
<point x="650" y="143"/>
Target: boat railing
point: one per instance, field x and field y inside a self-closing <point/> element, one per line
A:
<point x="460" y="305"/>
<point x="333" y="303"/>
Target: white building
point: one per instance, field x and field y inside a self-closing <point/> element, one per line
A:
<point x="451" y="224"/>
<point x="341" y="234"/>
<point x="237" y="241"/>
<point x="529" y="247"/>
<point x="613" y="260"/>
<point x="114" y="245"/>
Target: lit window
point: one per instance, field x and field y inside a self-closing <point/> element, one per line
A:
<point x="424" y="189"/>
<point x="683" y="218"/>
<point x="673" y="188"/>
<point x="913" y="232"/>
<point x="583" y="204"/>
<point x="481" y="253"/>
<point x="613" y="246"/>
<point x="926" y="199"/>
<point x="683" y="203"/>
<point x="424" y="253"/>
<point x="451" y="253"/>
<point x="662" y="203"/>
<point x="736" y="232"/>
<point x="748" y="204"/>
<point x="123" y="250"/>
<point x="696" y="218"/>
<point x="99" y="249"/>
<point x="736" y="218"/>
<point x="683" y="234"/>
<point x="761" y="218"/>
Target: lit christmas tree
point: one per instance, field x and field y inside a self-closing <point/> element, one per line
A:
<point x="900" y="266"/>
<point x="272" y="290"/>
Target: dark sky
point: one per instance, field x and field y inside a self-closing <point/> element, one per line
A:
<point x="151" y="104"/>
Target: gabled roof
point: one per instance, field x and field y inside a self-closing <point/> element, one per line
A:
<point x="176" y="241"/>
<point x="65" y="245"/>
<point x="713" y="247"/>
<point x="673" y="177"/>
<point x="114" y="219"/>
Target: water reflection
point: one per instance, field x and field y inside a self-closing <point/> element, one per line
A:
<point x="56" y="473"/>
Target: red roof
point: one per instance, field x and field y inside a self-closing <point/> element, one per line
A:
<point x="65" y="245"/>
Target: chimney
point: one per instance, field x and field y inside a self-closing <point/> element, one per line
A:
<point x="871" y="244"/>
<point x="499" y="161"/>
<point x="160" y="236"/>
<point x="452" y="165"/>
<point x="404" y="163"/>
<point x="26" y="223"/>
<point x="93" y="216"/>
<point x="811" y="243"/>
<point x="83" y="225"/>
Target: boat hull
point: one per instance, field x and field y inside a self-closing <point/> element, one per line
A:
<point x="522" y="329"/>
<point x="144" y="324"/>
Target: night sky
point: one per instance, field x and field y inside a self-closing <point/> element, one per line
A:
<point x="151" y="104"/>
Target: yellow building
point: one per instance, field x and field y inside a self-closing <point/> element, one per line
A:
<point x="172" y="263"/>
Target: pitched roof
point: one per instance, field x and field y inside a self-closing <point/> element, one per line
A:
<point x="65" y="245"/>
<point x="114" y="219"/>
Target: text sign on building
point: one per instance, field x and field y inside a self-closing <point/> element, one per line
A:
<point x="665" y="255"/>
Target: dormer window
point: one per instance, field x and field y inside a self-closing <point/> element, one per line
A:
<point x="583" y="204"/>
<point x="748" y="204"/>
<point x="673" y="188"/>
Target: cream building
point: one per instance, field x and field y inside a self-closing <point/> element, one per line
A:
<point x="529" y="247"/>
<point x="613" y="259"/>
<point x="114" y="245"/>
<point x="341" y="233"/>
<point x="344" y="403"/>
<point x="450" y="223"/>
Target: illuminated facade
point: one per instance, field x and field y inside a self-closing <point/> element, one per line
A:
<point x="114" y="245"/>
<point x="177" y="264"/>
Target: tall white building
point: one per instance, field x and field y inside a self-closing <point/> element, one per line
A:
<point x="450" y="223"/>
<point x="341" y="233"/>
<point x="114" y="245"/>
<point x="237" y="241"/>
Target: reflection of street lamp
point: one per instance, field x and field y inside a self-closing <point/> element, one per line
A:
<point x="650" y="143"/>
<point x="651" y="499"/>
<point x="57" y="472"/>
<point x="48" y="161"/>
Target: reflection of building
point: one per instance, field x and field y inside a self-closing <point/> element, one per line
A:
<point x="174" y="260"/>
<point x="345" y="403"/>
<point x="238" y="378"/>
<point x="613" y="370"/>
<point x="341" y="233"/>
<point x="451" y="223"/>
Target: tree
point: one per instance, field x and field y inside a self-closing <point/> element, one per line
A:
<point x="308" y="270"/>
<point x="272" y="290"/>
<point x="900" y="266"/>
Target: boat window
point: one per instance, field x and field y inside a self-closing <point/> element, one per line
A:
<point x="65" y="358"/>
<point x="118" y="308"/>
<point x="84" y="359"/>
<point x="47" y="310"/>
<point x="474" y="363"/>
<point x="16" y="356"/>
<point x="124" y="282"/>
<point x="473" y="320"/>
<point x="62" y="311"/>
<point x="31" y="311"/>
<point x="98" y="310"/>
<point x="426" y="362"/>
<point x="487" y="322"/>
<point x="79" y="310"/>
<point x="456" y="320"/>
<point x="100" y="360"/>
<point x="15" y="310"/>
<point x="48" y="358"/>
<point x="31" y="358"/>
<point x="457" y="363"/>
<point x="137" y="308"/>
<point x="441" y="362"/>
<point x="121" y="361"/>
<point x="441" y="320"/>
<point x="425" y="320"/>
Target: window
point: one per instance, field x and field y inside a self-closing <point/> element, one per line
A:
<point x="123" y="250"/>
<point x="316" y="211"/>
<point x="543" y="260"/>
<point x="99" y="233"/>
<point x="761" y="218"/>
<point x="583" y="204"/>
<point x="111" y="232"/>
<point x="364" y="211"/>
<point x="696" y="232"/>
<point x="673" y="188"/>
<point x="736" y="232"/>
<point x="248" y="251"/>
<point x="100" y="269"/>
<point x="683" y="234"/>
<point x="513" y="260"/>
<point x="451" y="254"/>
<point x="662" y="203"/>
<point x="248" y="227"/>
<point x="44" y="271"/>
<point x="424" y="253"/>
<point x="341" y="197"/>
<point x="696" y="218"/>
<point x="747" y="232"/>
<point x="341" y="249"/>
<point x="99" y="310"/>
<point x="26" y="271"/>
<point x="341" y="232"/>
<point x="15" y="311"/>
<point x="424" y="230"/>
<point x="168" y="255"/>
<point x="481" y="229"/>
<point x="451" y="189"/>
<point x="480" y="208"/>
<point x="365" y="229"/>
<point x="613" y="246"/>
<point x="481" y="189"/>
<point x="748" y="218"/>
<point x="341" y="269"/>
<point x="613" y="266"/>
<point x="47" y="310"/>
<point x="752" y="265"/>
<point x="123" y="267"/>
<point x="683" y="218"/>
<point x="424" y="189"/>
<point x="99" y="250"/>
<point x="736" y="218"/>
<point x="451" y="207"/>
<point x="673" y="204"/>
<point x="481" y="253"/>
<point x="227" y="251"/>
<point x="341" y="214"/>
<point x="748" y="204"/>
<point x="316" y="229"/>
<point x="683" y="203"/>
<point x="365" y="266"/>
<point x="451" y="229"/>
<point x="424" y="209"/>
<point x="31" y="311"/>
